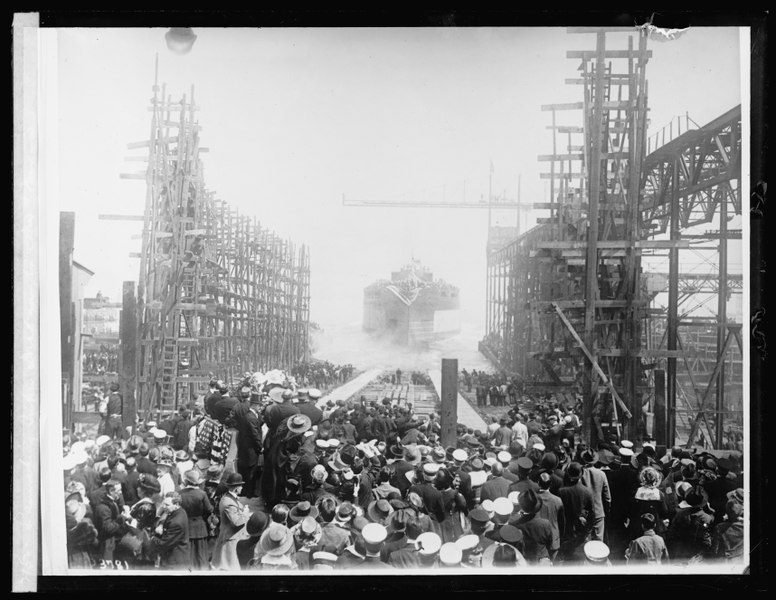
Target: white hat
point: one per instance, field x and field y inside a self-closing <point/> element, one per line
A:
<point x="323" y="560"/>
<point x="333" y="443"/>
<point x="151" y="425"/>
<point x="68" y="462"/>
<point x="428" y="543"/>
<point x="314" y="393"/>
<point x="626" y="444"/>
<point x="450" y="554"/>
<point x="488" y="507"/>
<point x="460" y="455"/>
<point x="626" y="452"/>
<point x="275" y="376"/>
<point x="348" y="474"/>
<point x="478" y="478"/>
<point x="596" y="551"/>
<point x="539" y="446"/>
<point x="504" y="457"/>
<point x="513" y="497"/>
<point x="649" y="444"/>
<point x="490" y="461"/>
<point x="160" y="434"/>
<point x="467" y="542"/>
<point x="503" y="506"/>
<point x="431" y="468"/>
<point x="322" y="443"/>
<point x="81" y="457"/>
<point x="374" y="533"/>
<point x="102" y="440"/>
<point x="77" y="447"/>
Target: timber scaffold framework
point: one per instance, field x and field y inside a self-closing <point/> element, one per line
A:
<point x="568" y="301"/>
<point x="217" y="293"/>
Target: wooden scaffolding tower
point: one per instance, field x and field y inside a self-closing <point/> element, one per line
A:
<point x="218" y="293"/>
<point x="567" y="300"/>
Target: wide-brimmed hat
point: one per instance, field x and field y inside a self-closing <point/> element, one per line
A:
<point x="233" y="479"/>
<point x="102" y="440"/>
<point x="605" y="457"/>
<point x="379" y="510"/>
<point x="276" y="540"/>
<point x="438" y="454"/>
<point x="302" y="510"/>
<point x="412" y="455"/>
<point x="181" y="456"/>
<point x="529" y="502"/>
<point x="192" y="477"/>
<point x="276" y="394"/>
<point x="298" y="423"/>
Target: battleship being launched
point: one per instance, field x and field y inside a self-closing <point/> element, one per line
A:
<point x="412" y="308"/>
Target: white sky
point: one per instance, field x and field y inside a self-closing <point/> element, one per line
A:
<point x="295" y="118"/>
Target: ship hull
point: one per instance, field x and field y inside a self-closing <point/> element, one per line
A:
<point x="433" y="315"/>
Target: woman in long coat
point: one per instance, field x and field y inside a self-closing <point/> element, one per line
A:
<point x="233" y="517"/>
<point x="456" y="521"/>
<point x="651" y="499"/>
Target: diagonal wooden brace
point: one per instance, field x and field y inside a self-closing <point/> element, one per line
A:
<point x="593" y="361"/>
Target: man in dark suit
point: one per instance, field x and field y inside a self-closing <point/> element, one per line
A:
<point x="171" y="537"/>
<point x="578" y="511"/>
<point x="247" y="420"/>
<point x="431" y="496"/>
<point x="497" y="486"/>
<point x="306" y="405"/>
<point x="114" y="413"/>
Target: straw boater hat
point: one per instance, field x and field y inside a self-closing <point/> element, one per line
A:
<point x="276" y="394"/>
<point x="299" y="423"/>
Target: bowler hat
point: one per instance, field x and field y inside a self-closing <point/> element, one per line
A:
<point x="257" y="523"/>
<point x="302" y="510"/>
<point x="233" y="479"/>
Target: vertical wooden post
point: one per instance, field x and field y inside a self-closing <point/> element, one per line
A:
<point x="128" y="352"/>
<point x="673" y="304"/>
<point x="68" y="335"/>
<point x="721" y="319"/>
<point x="449" y="417"/>
<point x="591" y="268"/>
<point x="659" y="423"/>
